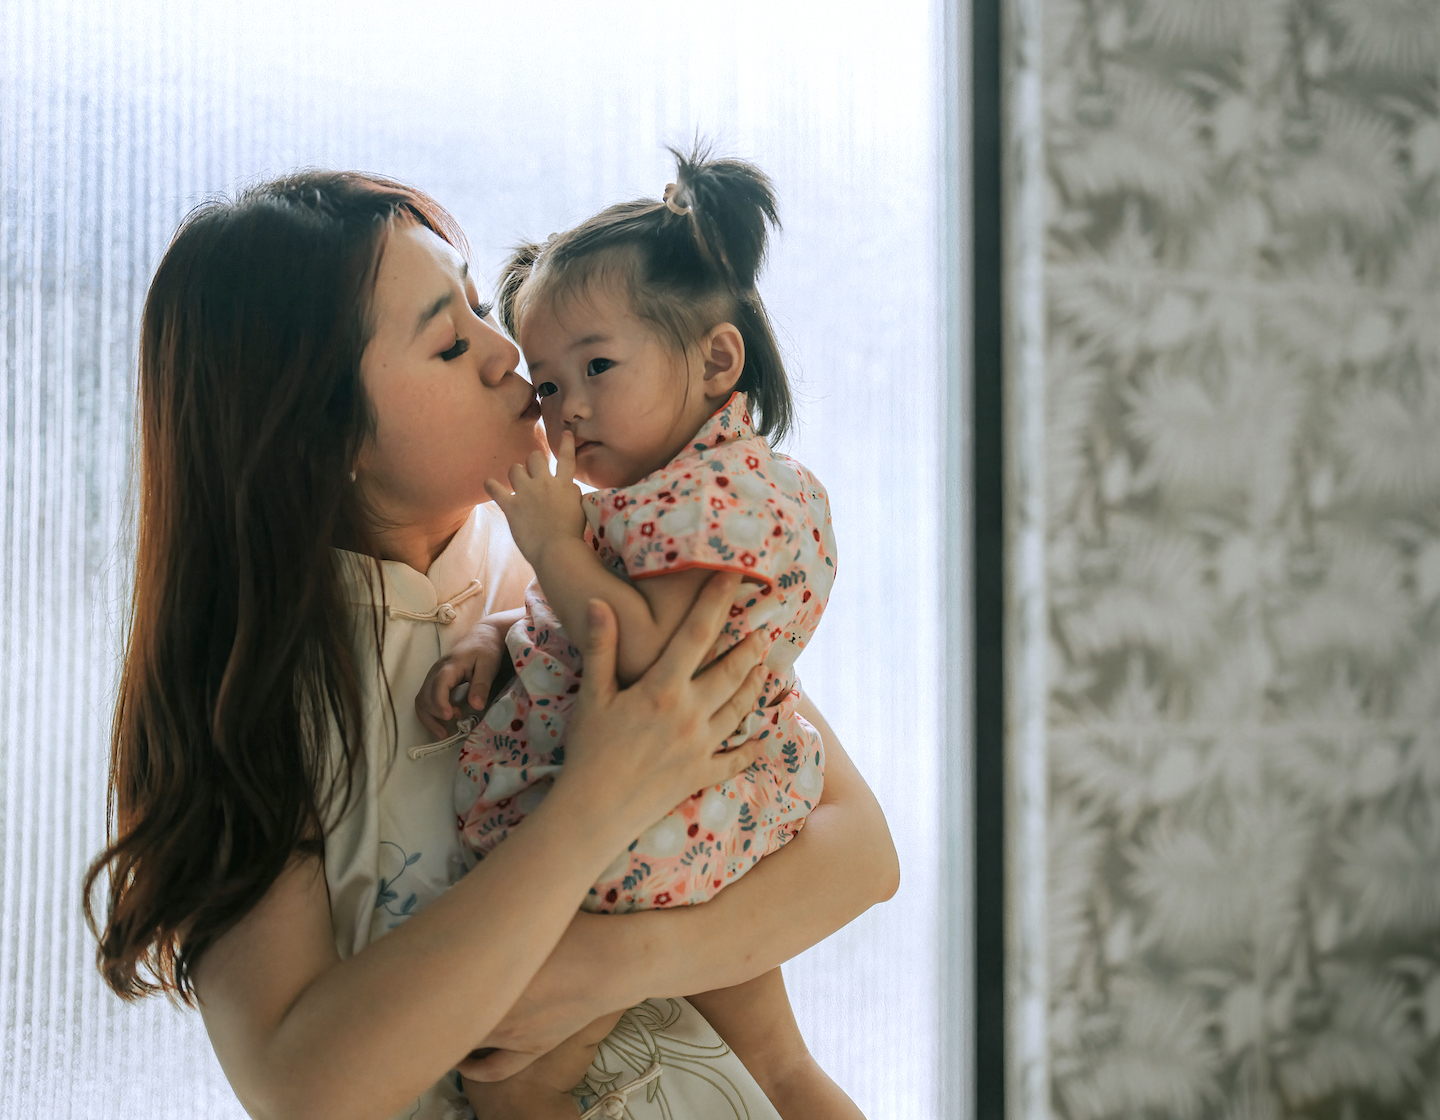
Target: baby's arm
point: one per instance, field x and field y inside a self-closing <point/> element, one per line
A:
<point x="475" y="658"/>
<point x="548" y="524"/>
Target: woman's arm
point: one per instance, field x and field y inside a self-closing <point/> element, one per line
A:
<point x="303" y="1034"/>
<point x="842" y="863"/>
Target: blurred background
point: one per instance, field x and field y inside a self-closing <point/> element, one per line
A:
<point x="117" y="118"/>
<point x="1222" y="372"/>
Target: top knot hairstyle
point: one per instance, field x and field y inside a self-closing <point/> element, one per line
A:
<point x="688" y="264"/>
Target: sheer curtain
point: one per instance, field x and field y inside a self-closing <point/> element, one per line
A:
<point x="116" y="118"/>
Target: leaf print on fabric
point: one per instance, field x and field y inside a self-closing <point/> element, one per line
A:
<point x="1242" y="354"/>
<point x="728" y="502"/>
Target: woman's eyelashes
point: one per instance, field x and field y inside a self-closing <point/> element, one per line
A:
<point x="597" y="366"/>
<point x="461" y="345"/>
<point x="482" y="311"/>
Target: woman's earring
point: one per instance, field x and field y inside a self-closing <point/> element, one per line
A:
<point x="352" y="476"/>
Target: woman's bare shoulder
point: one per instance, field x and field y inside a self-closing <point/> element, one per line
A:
<point x="253" y="974"/>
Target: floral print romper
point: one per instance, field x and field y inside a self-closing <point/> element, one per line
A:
<point x="729" y="503"/>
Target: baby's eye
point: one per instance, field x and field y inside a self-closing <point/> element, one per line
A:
<point x="598" y="365"/>
<point x="461" y="345"/>
<point x="546" y="388"/>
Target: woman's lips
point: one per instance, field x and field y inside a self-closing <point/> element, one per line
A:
<point x="532" y="410"/>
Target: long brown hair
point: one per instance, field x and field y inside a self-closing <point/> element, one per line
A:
<point x="238" y="667"/>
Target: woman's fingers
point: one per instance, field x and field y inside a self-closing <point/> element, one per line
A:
<point x="598" y="682"/>
<point x="731" y="763"/>
<point x="727" y="675"/>
<point x="731" y="714"/>
<point x="693" y="639"/>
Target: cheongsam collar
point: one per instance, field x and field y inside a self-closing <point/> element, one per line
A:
<point x="731" y="423"/>
<point x="415" y="595"/>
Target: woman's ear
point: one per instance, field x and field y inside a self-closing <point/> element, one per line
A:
<point x="724" y="352"/>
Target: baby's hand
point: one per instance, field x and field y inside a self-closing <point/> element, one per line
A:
<point x="475" y="658"/>
<point x="543" y="507"/>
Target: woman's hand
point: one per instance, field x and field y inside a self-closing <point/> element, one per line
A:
<point x="644" y="750"/>
<point x="842" y="863"/>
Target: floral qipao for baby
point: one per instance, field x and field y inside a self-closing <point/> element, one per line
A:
<point x="729" y="503"/>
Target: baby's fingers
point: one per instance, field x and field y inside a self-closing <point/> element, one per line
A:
<point x="565" y="458"/>
<point x="500" y="493"/>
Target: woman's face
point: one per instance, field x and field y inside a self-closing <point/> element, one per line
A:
<point x="450" y="409"/>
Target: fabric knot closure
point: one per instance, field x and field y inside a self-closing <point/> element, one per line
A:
<point x="444" y="614"/>
<point x="612" y="1104"/>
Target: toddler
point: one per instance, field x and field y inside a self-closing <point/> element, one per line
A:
<point x="659" y="380"/>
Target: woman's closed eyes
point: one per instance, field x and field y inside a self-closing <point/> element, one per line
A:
<point x="463" y="344"/>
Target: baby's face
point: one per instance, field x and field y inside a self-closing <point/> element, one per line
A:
<point x="631" y="401"/>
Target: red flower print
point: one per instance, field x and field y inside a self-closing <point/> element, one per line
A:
<point x="747" y="559"/>
<point x="618" y="501"/>
<point x="722" y="481"/>
<point x="717" y="503"/>
<point x="817" y="533"/>
<point x="719" y="439"/>
<point x="717" y="884"/>
<point x="670" y="556"/>
<point x="752" y="462"/>
<point x="735" y="612"/>
<point x="662" y="899"/>
<point x="648" y="529"/>
<point x="779" y="529"/>
<point x="600" y="532"/>
<point x="775" y="633"/>
<point x="516" y="725"/>
<point x="692" y="830"/>
<point x="747" y="418"/>
<point x="595" y="544"/>
<point x="611" y="895"/>
<point x="805" y="598"/>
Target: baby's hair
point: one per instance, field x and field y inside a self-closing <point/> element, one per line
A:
<point x="687" y="267"/>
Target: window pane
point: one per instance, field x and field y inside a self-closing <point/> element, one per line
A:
<point x="116" y="118"/>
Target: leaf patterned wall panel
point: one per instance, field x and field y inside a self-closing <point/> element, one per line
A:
<point x="1243" y="558"/>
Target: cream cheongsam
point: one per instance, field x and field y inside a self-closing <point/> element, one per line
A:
<point x="397" y="849"/>
<point x="727" y="502"/>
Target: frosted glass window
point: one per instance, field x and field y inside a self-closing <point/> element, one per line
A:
<point x="116" y="118"/>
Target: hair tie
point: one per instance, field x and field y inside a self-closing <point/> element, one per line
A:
<point x="670" y="190"/>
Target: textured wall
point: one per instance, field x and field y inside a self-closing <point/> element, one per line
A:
<point x="1242" y="557"/>
<point x="117" y="117"/>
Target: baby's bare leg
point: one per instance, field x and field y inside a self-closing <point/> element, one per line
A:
<point x="541" y="1091"/>
<point x="756" y="1020"/>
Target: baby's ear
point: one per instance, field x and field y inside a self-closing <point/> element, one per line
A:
<point x="724" y="352"/>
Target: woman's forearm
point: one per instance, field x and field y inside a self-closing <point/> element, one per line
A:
<point x="463" y="963"/>
<point x="842" y="863"/>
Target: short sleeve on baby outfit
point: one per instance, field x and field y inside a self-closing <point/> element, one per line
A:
<point x="727" y="503"/>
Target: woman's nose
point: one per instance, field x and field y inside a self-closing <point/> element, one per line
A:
<point x="498" y="355"/>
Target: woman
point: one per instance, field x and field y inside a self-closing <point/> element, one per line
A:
<point x="317" y="371"/>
